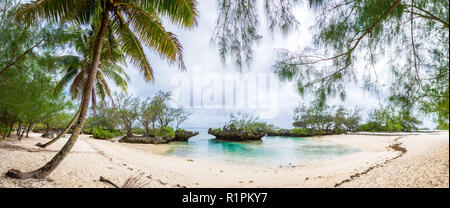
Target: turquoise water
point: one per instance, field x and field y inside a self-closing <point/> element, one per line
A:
<point x="281" y="151"/>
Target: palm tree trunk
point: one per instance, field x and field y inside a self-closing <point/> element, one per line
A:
<point x="92" y="70"/>
<point x="74" y="119"/>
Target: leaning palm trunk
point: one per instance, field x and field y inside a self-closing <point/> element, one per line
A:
<point x="74" y="119"/>
<point x="92" y="70"/>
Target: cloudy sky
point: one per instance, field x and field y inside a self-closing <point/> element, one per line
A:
<point x="212" y="91"/>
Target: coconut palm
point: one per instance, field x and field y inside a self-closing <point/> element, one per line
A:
<point x="135" y="24"/>
<point x="75" y="71"/>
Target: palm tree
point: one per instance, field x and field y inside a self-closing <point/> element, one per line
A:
<point x="75" y="71"/>
<point x="132" y="22"/>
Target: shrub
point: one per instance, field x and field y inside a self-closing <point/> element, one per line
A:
<point x="340" y="131"/>
<point x="397" y="127"/>
<point x="166" y="132"/>
<point x="138" y="131"/>
<point x="104" y="134"/>
<point x="300" y="131"/>
<point x="371" y="126"/>
<point x="88" y="130"/>
<point x="3" y="130"/>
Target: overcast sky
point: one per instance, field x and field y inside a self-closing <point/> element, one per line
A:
<point x="212" y="91"/>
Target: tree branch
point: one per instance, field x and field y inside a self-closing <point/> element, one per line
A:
<point x="20" y="57"/>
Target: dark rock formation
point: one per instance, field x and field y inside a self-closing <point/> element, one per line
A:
<point x="235" y="134"/>
<point x="48" y="135"/>
<point x="184" y="135"/>
<point x="146" y="139"/>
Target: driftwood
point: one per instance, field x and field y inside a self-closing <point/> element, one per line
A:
<point x="108" y="182"/>
<point x="132" y="182"/>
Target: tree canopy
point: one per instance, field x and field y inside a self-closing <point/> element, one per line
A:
<point x="410" y="39"/>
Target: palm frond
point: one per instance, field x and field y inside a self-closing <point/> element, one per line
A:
<point x="69" y="61"/>
<point x="77" y="85"/>
<point x="105" y="87"/>
<point x="136" y="182"/>
<point x="181" y="12"/>
<point x="64" y="81"/>
<point x="152" y="33"/>
<point x="132" y="47"/>
<point x="112" y="74"/>
<point x="99" y="90"/>
<point x="56" y="11"/>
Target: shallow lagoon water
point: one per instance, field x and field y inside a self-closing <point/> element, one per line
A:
<point x="269" y="151"/>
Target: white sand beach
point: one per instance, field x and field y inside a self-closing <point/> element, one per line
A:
<point x="407" y="160"/>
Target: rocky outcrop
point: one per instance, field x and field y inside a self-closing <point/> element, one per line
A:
<point x="235" y="134"/>
<point x="184" y="135"/>
<point x="146" y="139"/>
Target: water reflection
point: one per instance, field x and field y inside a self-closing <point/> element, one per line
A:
<point x="268" y="151"/>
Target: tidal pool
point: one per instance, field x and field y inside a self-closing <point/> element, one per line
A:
<point x="269" y="151"/>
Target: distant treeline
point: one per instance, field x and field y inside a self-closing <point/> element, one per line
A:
<point x="131" y="115"/>
<point x="338" y="119"/>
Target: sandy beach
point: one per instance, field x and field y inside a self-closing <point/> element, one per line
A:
<point x="399" y="160"/>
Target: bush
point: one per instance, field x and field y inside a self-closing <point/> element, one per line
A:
<point x="166" y="132"/>
<point x="4" y="130"/>
<point x="104" y="134"/>
<point x="340" y="131"/>
<point x="88" y="130"/>
<point x="218" y="130"/>
<point x="138" y="131"/>
<point x="300" y="131"/>
<point x="371" y="126"/>
<point x="398" y="127"/>
<point x="318" y="132"/>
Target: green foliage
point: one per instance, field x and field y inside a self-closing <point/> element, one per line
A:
<point x="104" y="117"/>
<point x="136" y="116"/>
<point x="4" y="130"/>
<point x="247" y="122"/>
<point x="27" y="72"/>
<point x="88" y="130"/>
<point x="326" y="118"/>
<point x="127" y="111"/>
<point x="156" y="112"/>
<point x="138" y="130"/>
<point x="217" y="130"/>
<point x="104" y="134"/>
<point x="164" y="131"/>
<point x="395" y="33"/>
<point x="237" y="29"/>
<point x="388" y="119"/>
<point x="73" y="67"/>
<point x="301" y="131"/>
